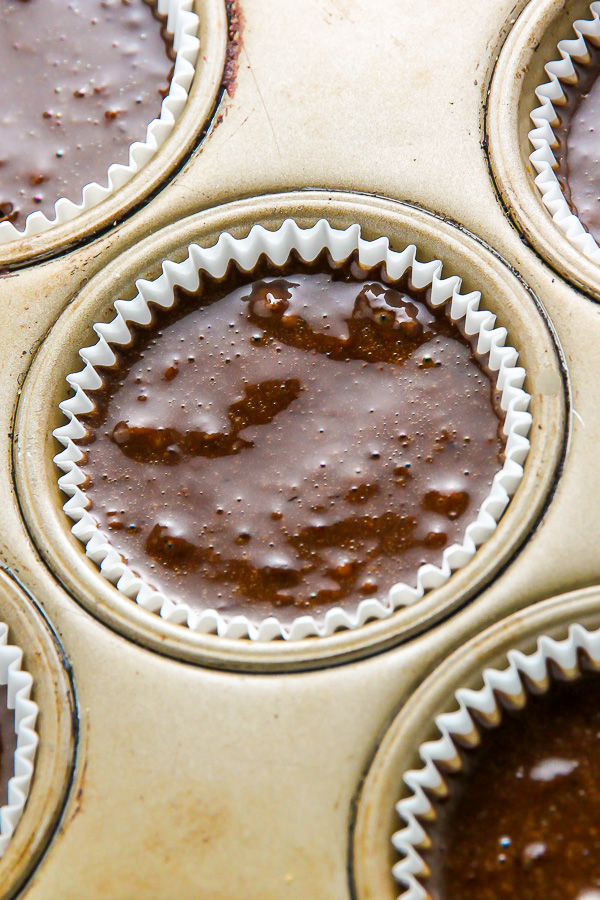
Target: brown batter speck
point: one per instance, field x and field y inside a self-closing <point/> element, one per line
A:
<point x="81" y="82"/>
<point x="291" y="449"/>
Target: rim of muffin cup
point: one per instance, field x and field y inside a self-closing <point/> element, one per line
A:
<point x="518" y="654"/>
<point x="520" y="675"/>
<point x="543" y="139"/>
<point x="183" y="25"/>
<point x="463" y="308"/>
<point x="528" y="41"/>
<point x="38" y="413"/>
<point x="40" y="696"/>
<point x="18" y="683"/>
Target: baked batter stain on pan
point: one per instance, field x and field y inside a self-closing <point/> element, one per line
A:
<point x="291" y="439"/>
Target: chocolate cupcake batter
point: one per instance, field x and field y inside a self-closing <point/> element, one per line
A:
<point x="578" y="154"/>
<point x="523" y="821"/>
<point x="300" y="441"/>
<point x="8" y="745"/>
<point x="81" y="81"/>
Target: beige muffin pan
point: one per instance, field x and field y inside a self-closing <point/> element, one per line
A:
<point x="174" y="762"/>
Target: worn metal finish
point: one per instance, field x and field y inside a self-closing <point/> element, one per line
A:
<point x="204" y="783"/>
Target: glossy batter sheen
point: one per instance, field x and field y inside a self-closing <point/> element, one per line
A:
<point x="523" y="823"/>
<point x="80" y="82"/>
<point x="8" y="745"/>
<point x="305" y="440"/>
<point x="578" y="155"/>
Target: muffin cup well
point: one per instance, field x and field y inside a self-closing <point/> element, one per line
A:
<point x="543" y="139"/>
<point x="182" y="24"/>
<point x="277" y="246"/>
<point x="459" y="729"/>
<point x="18" y="685"/>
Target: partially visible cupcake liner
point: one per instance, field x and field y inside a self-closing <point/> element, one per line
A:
<point x="277" y="246"/>
<point x="18" y="685"/>
<point x="183" y="24"/>
<point x="543" y="139"/>
<point x="459" y="729"/>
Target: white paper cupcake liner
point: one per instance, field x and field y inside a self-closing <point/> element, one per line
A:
<point x="183" y="25"/>
<point x="460" y="728"/>
<point x="19" y="684"/>
<point x="277" y="246"/>
<point x="543" y="139"/>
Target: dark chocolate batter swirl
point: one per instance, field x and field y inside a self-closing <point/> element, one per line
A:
<point x="304" y="440"/>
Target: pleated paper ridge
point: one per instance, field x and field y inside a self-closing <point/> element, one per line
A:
<point x="19" y="684"/>
<point x="277" y="246"/>
<point x="460" y="727"/>
<point x="183" y="24"/>
<point x="543" y="138"/>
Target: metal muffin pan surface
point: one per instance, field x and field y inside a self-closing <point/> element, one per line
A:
<point x="188" y="771"/>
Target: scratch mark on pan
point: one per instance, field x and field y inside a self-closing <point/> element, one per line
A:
<point x="324" y="11"/>
<point x="342" y="9"/>
<point x="235" y="131"/>
<point x="576" y="414"/>
<point x="245" y="52"/>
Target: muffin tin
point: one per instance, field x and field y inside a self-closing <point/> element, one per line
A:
<point x="241" y="769"/>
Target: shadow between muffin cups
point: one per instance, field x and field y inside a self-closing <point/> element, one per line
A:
<point x="182" y="25"/>
<point x="463" y="309"/>
<point x="563" y="74"/>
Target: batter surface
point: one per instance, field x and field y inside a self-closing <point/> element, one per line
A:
<point x="300" y="441"/>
